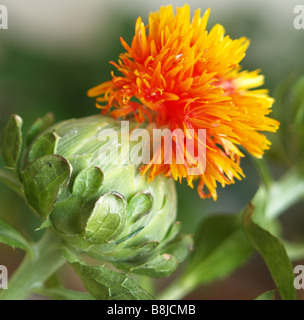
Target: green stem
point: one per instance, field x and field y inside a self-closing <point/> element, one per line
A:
<point x="295" y="251"/>
<point x="34" y="271"/>
<point x="178" y="289"/>
<point x="264" y="172"/>
<point x="9" y="178"/>
<point x="285" y="193"/>
<point x="147" y="283"/>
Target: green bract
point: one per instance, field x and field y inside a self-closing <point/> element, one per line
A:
<point x="97" y="205"/>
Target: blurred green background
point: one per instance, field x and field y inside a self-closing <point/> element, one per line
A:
<point x="54" y="51"/>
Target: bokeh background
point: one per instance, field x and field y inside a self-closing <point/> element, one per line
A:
<point x="54" y="51"/>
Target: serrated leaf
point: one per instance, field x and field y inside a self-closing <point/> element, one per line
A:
<point x="43" y="180"/>
<point x="104" y="284"/>
<point x="40" y="125"/>
<point x="12" y="141"/>
<point x="269" y="295"/>
<point x="44" y="145"/>
<point x="273" y="253"/>
<point x="107" y="219"/>
<point x="220" y="247"/>
<point x="13" y="238"/>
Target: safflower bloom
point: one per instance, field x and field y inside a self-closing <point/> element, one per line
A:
<point x="179" y="75"/>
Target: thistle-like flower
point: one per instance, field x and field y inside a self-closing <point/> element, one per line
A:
<point x="179" y="75"/>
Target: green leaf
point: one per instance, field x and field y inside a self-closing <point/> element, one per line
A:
<point x="61" y="293"/>
<point x="13" y="238"/>
<point x="273" y="253"/>
<point x="104" y="284"/>
<point x="79" y="162"/>
<point x="127" y="253"/>
<point x="44" y="225"/>
<point x="173" y="232"/>
<point x="160" y="267"/>
<point x="140" y="205"/>
<point x="269" y="295"/>
<point x="12" y="141"/>
<point x="40" y="125"/>
<point x="168" y="259"/>
<point x="44" y="145"/>
<point x="179" y="248"/>
<point x="107" y="219"/>
<point x="88" y="182"/>
<point x="43" y="180"/>
<point x="220" y="247"/>
<point x="70" y="215"/>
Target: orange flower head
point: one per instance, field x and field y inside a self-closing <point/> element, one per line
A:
<point x="178" y="75"/>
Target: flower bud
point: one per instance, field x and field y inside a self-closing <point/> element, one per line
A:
<point x="80" y="178"/>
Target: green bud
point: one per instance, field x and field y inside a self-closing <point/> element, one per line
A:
<point x="103" y="207"/>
